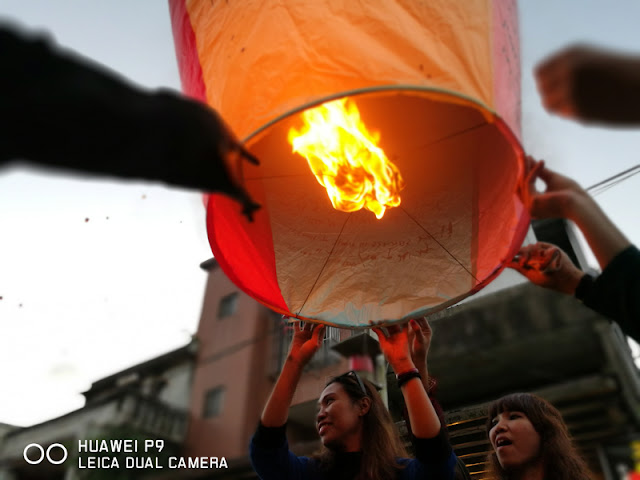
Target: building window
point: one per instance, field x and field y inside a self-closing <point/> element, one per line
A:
<point x="213" y="400"/>
<point x="228" y="305"/>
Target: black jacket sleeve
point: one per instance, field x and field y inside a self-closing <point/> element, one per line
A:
<point x="62" y="111"/>
<point x="615" y="293"/>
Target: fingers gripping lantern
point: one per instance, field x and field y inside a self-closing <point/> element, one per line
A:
<point x="430" y="187"/>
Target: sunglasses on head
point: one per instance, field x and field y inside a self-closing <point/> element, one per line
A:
<point x="353" y="374"/>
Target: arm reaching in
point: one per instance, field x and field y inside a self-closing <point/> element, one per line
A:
<point x="395" y="346"/>
<point x="565" y="198"/>
<point x="67" y="112"/>
<point x="591" y="85"/>
<point x="616" y="291"/>
<point x="548" y="266"/>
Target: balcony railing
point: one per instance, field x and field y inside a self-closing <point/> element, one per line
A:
<point x="157" y="418"/>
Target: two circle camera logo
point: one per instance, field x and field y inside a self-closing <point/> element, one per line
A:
<point x="44" y="453"/>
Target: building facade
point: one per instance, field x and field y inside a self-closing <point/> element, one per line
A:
<point x="148" y="401"/>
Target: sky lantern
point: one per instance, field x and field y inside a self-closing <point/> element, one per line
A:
<point x="388" y="135"/>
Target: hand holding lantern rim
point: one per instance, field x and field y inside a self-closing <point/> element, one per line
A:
<point x="229" y="146"/>
<point x="306" y="341"/>
<point x="420" y="334"/>
<point x="565" y="198"/>
<point x="548" y="266"/>
<point x="91" y="120"/>
<point x="615" y="292"/>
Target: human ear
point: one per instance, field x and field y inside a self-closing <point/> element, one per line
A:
<point x="365" y="406"/>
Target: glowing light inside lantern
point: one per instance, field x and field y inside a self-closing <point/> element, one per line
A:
<point x="345" y="158"/>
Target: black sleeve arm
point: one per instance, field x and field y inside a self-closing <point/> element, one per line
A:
<point x="616" y="291"/>
<point x="63" y="111"/>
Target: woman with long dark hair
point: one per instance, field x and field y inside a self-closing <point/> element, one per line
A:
<point x="358" y="436"/>
<point x="530" y="441"/>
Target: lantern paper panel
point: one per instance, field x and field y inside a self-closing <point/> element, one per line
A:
<point x="423" y="75"/>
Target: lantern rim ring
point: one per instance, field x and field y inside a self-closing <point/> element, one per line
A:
<point x="487" y="112"/>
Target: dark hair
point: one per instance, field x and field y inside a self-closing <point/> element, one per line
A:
<point x="559" y="457"/>
<point x="381" y="444"/>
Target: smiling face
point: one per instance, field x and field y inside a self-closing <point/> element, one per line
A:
<point x="339" y="420"/>
<point x="515" y="440"/>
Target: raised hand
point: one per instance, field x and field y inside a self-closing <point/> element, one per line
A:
<point x="561" y="197"/>
<point x="589" y="84"/>
<point x="306" y="341"/>
<point x="565" y="198"/>
<point x="394" y="344"/>
<point x="419" y="334"/>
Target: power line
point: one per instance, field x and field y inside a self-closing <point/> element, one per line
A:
<point x="610" y="182"/>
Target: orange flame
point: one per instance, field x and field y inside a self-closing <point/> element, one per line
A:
<point x="346" y="159"/>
